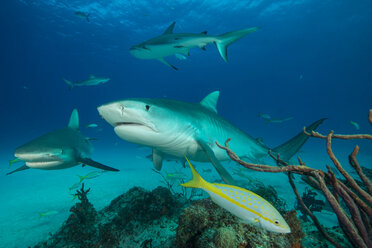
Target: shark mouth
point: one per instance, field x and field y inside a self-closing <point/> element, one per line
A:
<point x="43" y="163"/>
<point x="133" y="124"/>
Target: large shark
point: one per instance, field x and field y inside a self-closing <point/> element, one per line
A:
<point x="92" y="80"/>
<point x="182" y="129"/>
<point x="169" y="44"/>
<point x="59" y="149"/>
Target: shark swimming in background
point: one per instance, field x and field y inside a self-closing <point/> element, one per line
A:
<point x="182" y="129"/>
<point x="168" y="44"/>
<point x="82" y="15"/>
<point x="89" y="82"/>
<point x="58" y="149"/>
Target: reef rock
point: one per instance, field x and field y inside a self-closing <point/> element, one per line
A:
<point x="204" y="224"/>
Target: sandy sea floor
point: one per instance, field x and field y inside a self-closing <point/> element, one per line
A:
<point x="25" y="194"/>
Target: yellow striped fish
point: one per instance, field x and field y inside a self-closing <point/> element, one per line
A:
<point x="246" y="205"/>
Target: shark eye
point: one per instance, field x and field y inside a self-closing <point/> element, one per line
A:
<point x="147" y="107"/>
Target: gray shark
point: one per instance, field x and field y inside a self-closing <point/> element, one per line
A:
<point x="89" y="82"/>
<point x="82" y="15"/>
<point x="59" y="149"/>
<point x="187" y="129"/>
<point x="169" y="44"/>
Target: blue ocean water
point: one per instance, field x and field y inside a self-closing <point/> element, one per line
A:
<point x="308" y="60"/>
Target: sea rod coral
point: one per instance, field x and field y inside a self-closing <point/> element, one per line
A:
<point x="356" y="218"/>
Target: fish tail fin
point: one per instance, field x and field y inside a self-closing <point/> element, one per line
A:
<point x="292" y="146"/>
<point x="81" y="178"/>
<point x="69" y="83"/>
<point x="197" y="181"/>
<point x="224" y="40"/>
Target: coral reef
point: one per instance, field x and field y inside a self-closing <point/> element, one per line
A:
<point x="204" y="224"/>
<point x="140" y="218"/>
<point x="137" y="218"/>
<point x="351" y="204"/>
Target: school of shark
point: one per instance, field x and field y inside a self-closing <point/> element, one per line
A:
<point x="186" y="131"/>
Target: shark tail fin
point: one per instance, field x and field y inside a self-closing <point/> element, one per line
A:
<point x="197" y="181"/>
<point x="292" y="146"/>
<point x="69" y="83"/>
<point x="224" y="40"/>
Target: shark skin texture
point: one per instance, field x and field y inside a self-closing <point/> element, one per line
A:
<point x="179" y="129"/>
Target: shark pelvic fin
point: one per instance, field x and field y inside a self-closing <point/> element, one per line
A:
<point x="292" y="146"/>
<point x="169" y="30"/>
<point x="210" y="101"/>
<point x="74" y="120"/>
<point x="89" y="162"/>
<point x="224" y="40"/>
<point x="157" y="159"/>
<point x="167" y="64"/>
<point x="23" y="167"/>
<point x="226" y="177"/>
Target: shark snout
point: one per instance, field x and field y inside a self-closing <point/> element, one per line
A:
<point x="111" y="112"/>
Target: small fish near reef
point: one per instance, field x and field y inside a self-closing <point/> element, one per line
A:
<point x="82" y="15"/>
<point x="92" y="80"/>
<point x="249" y="207"/>
<point x="90" y="175"/>
<point x="53" y="212"/>
<point x="175" y="176"/>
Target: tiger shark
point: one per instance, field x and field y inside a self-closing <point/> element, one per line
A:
<point x="169" y="44"/>
<point x="58" y="149"/>
<point x="179" y="129"/>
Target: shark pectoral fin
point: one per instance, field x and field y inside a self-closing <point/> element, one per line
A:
<point x="157" y="159"/>
<point x="220" y="169"/>
<point x="167" y="64"/>
<point x="89" y="162"/>
<point x="24" y="167"/>
<point x="169" y="30"/>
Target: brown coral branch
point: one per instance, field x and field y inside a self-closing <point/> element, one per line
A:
<point x="338" y="136"/>
<point x="355" y="164"/>
<point x="343" y="218"/>
<point x="312" y="216"/>
<point x="351" y="181"/>
<point x="355" y="213"/>
<point x="299" y="169"/>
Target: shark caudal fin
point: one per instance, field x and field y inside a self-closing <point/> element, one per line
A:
<point x="69" y="83"/>
<point x="292" y="146"/>
<point x="224" y="40"/>
<point x="197" y="181"/>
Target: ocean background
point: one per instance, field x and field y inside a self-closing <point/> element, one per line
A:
<point x="308" y="60"/>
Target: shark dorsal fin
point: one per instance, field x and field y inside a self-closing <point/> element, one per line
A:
<point x="169" y="30"/>
<point x="74" y="120"/>
<point x="91" y="76"/>
<point x="210" y="101"/>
